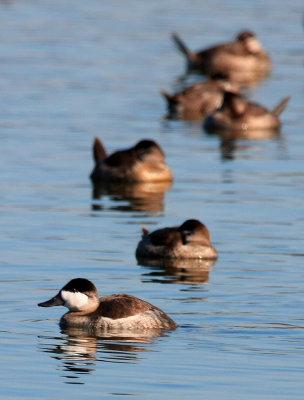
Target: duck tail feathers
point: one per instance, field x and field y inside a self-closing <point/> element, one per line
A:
<point x="281" y="106"/>
<point x="181" y="46"/>
<point x="99" y="152"/>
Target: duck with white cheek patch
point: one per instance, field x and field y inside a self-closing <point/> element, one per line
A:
<point x="117" y="311"/>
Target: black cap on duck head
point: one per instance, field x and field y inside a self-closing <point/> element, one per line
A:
<point x="244" y="35"/>
<point x="145" y="144"/>
<point x="147" y="148"/>
<point x="73" y="295"/>
<point x="250" y="42"/>
<point x="80" y="285"/>
<point x="191" y="225"/>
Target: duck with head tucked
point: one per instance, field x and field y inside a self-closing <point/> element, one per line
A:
<point x="237" y="114"/>
<point x="199" y="100"/>
<point x="144" y="162"/>
<point x="113" y="312"/>
<point x="190" y="240"/>
<point x="242" y="59"/>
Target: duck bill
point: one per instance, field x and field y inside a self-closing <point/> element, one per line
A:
<point x="54" y="301"/>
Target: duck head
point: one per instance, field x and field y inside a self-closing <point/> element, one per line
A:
<point x="250" y="41"/>
<point x="78" y="295"/>
<point x="193" y="230"/>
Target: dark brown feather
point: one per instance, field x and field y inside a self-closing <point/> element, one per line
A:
<point x="117" y="306"/>
<point x="165" y="237"/>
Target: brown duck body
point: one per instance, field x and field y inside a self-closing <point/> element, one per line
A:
<point x="115" y="312"/>
<point x="120" y="312"/>
<point x="144" y="162"/>
<point x="242" y="59"/>
<point x="190" y="240"/>
<point x="198" y="100"/>
<point x="239" y="114"/>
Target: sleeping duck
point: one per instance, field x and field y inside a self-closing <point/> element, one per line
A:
<point x="198" y="100"/>
<point x="237" y="113"/>
<point x="144" y="162"/>
<point x="189" y="240"/>
<point x="243" y="59"/>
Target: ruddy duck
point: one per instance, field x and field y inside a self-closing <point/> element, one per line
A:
<point x="117" y="311"/>
<point x="245" y="54"/>
<point x="237" y="113"/>
<point x="145" y="162"/>
<point x="190" y="240"/>
<point x="198" y="100"/>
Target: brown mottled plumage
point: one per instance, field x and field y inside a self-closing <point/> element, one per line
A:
<point x="190" y="240"/>
<point x="198" y="100"/>
<point x="242" y="59"/>
<point x="237" y="113"/>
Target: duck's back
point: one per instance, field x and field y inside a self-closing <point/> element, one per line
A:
<point x="117" y="306"/>
<point x="121" y="159"/>
<point x="165" y="237"/>
<point x="123" y="312"/>
<point x="232" y="56"/>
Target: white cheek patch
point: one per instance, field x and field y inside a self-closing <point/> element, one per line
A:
<point x="253" y="45"/>
<point x="74" y="300"/>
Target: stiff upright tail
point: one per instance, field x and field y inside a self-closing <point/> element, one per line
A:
<point x="167" y="95"/>
<point x="145" y="231"/>
<point x="99" y="152"/>
<point x="181" y="46"/>
<point x="281" y="106"/>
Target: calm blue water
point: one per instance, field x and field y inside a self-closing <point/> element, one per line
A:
<point x="73" y="70"/>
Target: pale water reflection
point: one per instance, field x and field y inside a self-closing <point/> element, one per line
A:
<point x="141" y="196"/>
<point x="79" y="351"/>
<point x="240" y="147"/>
<point x="187" y="272"/>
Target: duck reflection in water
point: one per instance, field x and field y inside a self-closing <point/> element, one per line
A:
<point x="79" y="351"/>
<point x="232" y="148"/>
<point x="142" y="196"/>
<point x="187" y="271"/>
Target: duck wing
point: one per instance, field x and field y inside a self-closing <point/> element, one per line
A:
<point x="118" y="306"/>
<point x="122" y="158"/>
<point x="165" y="237"/>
